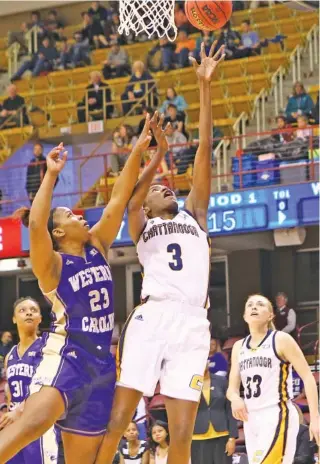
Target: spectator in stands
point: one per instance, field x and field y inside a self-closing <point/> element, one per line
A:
<point x="99" y="12"/>
<point x="160" y="57"/>
<point x="218" y="363"/>
<point x="20" y="35"/>
<point x="180" y="18"/>
<point x="300" y="103"/>
<point x="93" y="31"/>
<point x="305" y="448"/>
<point x="42" y="61"/>
<point x="145" y="111"/>
<point x="11" y="109"/>
<point x="98" y="93"/>
<point x="111" y="30"/>
<point x="72" y="56"/>
<point x="122" y="143"/>
<point x="6" y="343"/>
<point x="232" y="41"/>
<point x="176" y="119"/>
<point x="207" y="37"/>
<point x="249" y="38"/>
<point x="285" y="318"/>
<point x="216" y="430"/>
<point x="133" y="449"/>
<point x="36" y="171"/>
<point x="159" y="445"/>
<point x="175" y="99"/>
<point x="117" y="63"/>
<point x="176" y="141"/>
<point x="53" y="25"/>
<point x="184" y="46"/>
<point x="140" y="84"/>
<point x="303" y="132"/>
<point x="282" y="124"/>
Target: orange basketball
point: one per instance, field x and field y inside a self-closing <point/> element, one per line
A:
<point x="208" y="14"/>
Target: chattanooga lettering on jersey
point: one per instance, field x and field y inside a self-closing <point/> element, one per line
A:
<point x="167" y="228"/>
<point x="98" y="324"/>
<point x="89" y="276"/>
<point x="23" y="370"/>
<point x="256" y="361"/>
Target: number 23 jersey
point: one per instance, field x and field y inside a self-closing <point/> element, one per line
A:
<point x="175" y="256"/>
<point x="266" y="378"/>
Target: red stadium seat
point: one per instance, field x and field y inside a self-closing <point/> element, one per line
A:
<point x="228" y="345"/>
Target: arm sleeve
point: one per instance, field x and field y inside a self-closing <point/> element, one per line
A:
<point x="291" y="322"/>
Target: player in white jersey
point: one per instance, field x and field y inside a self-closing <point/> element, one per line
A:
<point x="263" y="363"/>
<point x="167" y="338"/>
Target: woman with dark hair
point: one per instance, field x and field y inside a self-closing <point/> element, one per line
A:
<point x="77" y="371"/>
<point x="300" y="103"/>
<point x="20" y="364"/>
<point x="159" y="443"/>
<point x="133" y="450"/>
<point x="175" y="99"/>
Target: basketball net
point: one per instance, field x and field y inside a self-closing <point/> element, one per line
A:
<point x="154" y="17"/>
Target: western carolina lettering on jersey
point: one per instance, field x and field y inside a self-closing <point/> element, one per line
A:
<point x="167" y="228"/>
<point x="89" y="276"/>
<point x="98" y="324"/>
<point x="20" y="369"/>
<point x="255" y="361"/>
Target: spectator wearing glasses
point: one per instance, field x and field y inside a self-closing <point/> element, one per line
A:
<point x="285" y="317"/>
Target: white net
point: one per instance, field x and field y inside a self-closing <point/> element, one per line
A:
<point x="154" y="17"/>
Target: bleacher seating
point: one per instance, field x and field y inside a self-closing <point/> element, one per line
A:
<point x="53" y="97"/>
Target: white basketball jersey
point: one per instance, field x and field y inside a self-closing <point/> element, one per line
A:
<point x="175" y="255"/>
<point x="266" y="378"/>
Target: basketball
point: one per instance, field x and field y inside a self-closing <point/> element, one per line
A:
<point x="208" y="15"/>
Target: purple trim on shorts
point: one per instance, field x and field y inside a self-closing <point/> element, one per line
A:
<point x="82" y="432"/>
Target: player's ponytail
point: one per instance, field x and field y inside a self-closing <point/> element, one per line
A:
<point x="23" y="214"/>
<point x="271" y="326"/>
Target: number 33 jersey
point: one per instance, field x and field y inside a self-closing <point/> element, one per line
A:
<point x="266" y="378"/>
<point x="175" y="256"/>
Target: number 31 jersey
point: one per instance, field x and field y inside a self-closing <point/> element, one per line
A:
<point x="266" y="378"/>
<point x="175" y="255"/>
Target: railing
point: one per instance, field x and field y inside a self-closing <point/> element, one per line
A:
<point x="95" y="182"/>
<point x="13" y="53"/>
<point x="313" y="45"/>
<point x="277" y="88"/>
<point x="295" y="60"/>
<point x="260" y="111"/>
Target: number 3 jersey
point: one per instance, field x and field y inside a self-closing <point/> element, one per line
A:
<point x="82" y="307"/>
<point x="266" y="378"/>
<point x="175" y="256"/>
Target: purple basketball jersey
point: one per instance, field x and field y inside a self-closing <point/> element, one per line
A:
<point x="21" y="370"/>
<point x="82" y="305"/>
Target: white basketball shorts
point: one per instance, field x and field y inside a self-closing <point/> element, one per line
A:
<point x="164" y="341"/>
<point x="271" y="434"/>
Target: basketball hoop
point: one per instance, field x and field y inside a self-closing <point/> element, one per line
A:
<point x="154" y="17"/>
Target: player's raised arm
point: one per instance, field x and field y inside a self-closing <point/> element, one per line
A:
<point x="238" y="407"/>
<point x="46" y="263"/>
<point x="136" y="216"/>
<point x="290" y="351"/>
<point x="198" y="199"/>
<point x="108" y="227"/>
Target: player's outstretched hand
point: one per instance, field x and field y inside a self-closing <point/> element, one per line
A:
<point x="156" y="124"/>
<point x="314" y="431"/>
<point x="208" y="63"/>
<point x="144" y="140"/>
<point x="239" y="410"/>
<point x="56" y="162"/>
